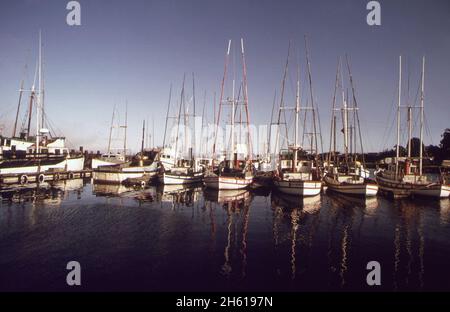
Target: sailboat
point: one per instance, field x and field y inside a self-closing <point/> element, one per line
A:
<point x="42" y="157"/>
<point x="167" y="155"/>
<point x="111" y="158"/>
<point x="298" y="172"/>
<point x="404" y="178"/>
<point x="347" y="176"/>
<point x="232" y="172"/>
<point x="184" y="170"/>
<point x="141" y="170"/>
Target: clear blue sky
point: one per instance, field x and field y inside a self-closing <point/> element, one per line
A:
<point x="133" y="50"/>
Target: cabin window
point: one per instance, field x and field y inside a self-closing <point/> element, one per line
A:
<point x="8" y="142"/>
<point x="57" y="151"/>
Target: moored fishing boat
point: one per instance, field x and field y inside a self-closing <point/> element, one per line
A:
<point x="143" y="166"/>
<point x="298" y="171"/>
<point x="228" y="177"/>
<point x="347" y="175"/>
<point x="40" y="157"/>
<point x="181" y="175"/>
<point x="236" y="171"/>
<point x="111" y="158"/>
<point x="302" y="181"/>
<point x="405" y="177"/>
<point x="350" y="184"/>
<point x="184" y="170"/>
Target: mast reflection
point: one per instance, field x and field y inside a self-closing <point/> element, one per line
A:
<point x="295" y="210"/>
<point x="236" y="203"/>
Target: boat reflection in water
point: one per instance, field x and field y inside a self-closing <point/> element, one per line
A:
<point x="409" y="244"/>
<point x="369" y="204"/>
<point x="236" y="204"/>
<point x="444" y="205"/>
<point x="235" y="199"/>
<point x="295" y="221"/>
<point x="345" y="219"/>
<point x="184" y="194"/>
<point x="48" y="192"/>
<point x="183" y="237"/>
<point x="309" y="204"/>
<point x="110" y="190"/>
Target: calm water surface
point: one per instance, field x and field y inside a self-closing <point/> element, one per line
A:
<point x="175" y="239"/>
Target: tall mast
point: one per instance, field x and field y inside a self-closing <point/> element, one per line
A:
<point x="143" y="138"/>
<point x="32" y="98"/>
<point x="355" y="123"/>
<point x="282" y="108"/>
<point x="398" y="115"/>
<point x="270" y="126"/>
<point x="42" y="101"/>
<point x="345" y="123"/>
<point x="167" y="116"/>
<point x="214" y="120"/>
<point x="297" y="109"/>
<point x="233" y="103"/>
<point x="147" y="141"/>
<point x="410" y="112"/>
<point x="30" y="109"/>
<point x="344" y="117"/>
<point x="126" y="128"/>
<point x="220" y="99"/>
<point x="409" y="130"/>
<point x="110" y="129"/>
<point x="193" y="115"/>
<point x="421" y="115"/>
<point x="18" y="108"/>
<point x="313" y="107"/>
<point x="335" y="162"/>
<point x="39" y="95"/>
<point x="201" y="150"/>
<point x="245" y="93"/>
<point x="185" y="122"/>
<point x="333" y="119"/>
<point x="355" y="114"/>
<point x="178" y="121"/>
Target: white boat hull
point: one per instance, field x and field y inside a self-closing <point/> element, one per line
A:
<point x="96" y="162"/>
<point x="67" y="165"/>
<point x="227" y="183"/>
<point x="173" y="178"/>
<point x="438" y="191"/>
<point x="118" y="176"/>
<point x="360" y="189"/>
<point x="299" y="187"/>
<point x="403" y="189"/>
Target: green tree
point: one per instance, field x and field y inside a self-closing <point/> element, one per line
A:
<point x="435" y="152"/>
<point x="415" y="147"/>
<point x="445" y="144"/>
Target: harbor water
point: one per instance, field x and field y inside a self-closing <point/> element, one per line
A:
<point x="188" y="239"/>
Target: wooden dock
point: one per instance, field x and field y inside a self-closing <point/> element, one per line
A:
<point x="25" y="178"/>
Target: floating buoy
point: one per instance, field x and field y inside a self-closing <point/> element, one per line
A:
<point x="23" y="179"/>
<point x="143" y="184"/>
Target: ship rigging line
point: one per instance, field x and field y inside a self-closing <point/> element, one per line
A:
<point x="388" y="130"/>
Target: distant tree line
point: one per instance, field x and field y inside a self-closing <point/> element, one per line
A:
<point x="437" y="152"/>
